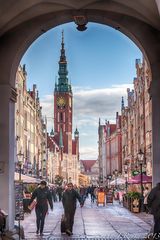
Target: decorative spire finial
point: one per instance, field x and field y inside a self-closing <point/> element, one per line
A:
<point x="76" y="133"/>
<point x="62" y="36"/>
<point x="62" y="57"/>
<point x="122" y="104"/>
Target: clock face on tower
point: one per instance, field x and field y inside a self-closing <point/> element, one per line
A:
<point x="61" y="102"/>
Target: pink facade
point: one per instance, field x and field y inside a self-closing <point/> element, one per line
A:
<point x="114" y="146"/>
<point x="110" y="148"/>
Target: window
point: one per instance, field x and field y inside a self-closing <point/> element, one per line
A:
<point x="61" y="117"/>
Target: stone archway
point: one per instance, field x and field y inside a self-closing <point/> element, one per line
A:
<point x="13" y="45"/>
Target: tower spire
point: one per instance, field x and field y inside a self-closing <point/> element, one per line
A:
<point x="122" y="104"/>
<point x="63" y="85"/>
<point x="62" y="57"/>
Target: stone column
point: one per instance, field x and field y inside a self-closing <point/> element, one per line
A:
<point x="7" y="142"/>
<point x="155" y="96"/>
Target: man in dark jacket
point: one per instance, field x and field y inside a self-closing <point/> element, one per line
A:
<point x="43" y="196"/>
<point x="69" y="200"/>
<point x="153" y="201"/>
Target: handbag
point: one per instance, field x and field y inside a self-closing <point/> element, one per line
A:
<point x="32" y="205"/>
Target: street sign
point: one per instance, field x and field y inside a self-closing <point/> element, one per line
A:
<point x="135" y="172"/>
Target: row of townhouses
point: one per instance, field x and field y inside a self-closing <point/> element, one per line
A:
<point x="120" y="143"/>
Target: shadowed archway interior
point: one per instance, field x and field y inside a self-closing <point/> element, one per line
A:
<point x="21" y="24"/>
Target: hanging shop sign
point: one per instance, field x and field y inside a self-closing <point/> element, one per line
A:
<point x="19" y="213"/>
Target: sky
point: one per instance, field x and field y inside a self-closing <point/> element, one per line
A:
<point x="101" y="66"/>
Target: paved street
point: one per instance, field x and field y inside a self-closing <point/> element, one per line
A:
<point x="92" y="222"/>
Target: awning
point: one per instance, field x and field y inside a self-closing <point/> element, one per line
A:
<point x="137" y="179"/>
<point x="118" y="181"/>
<point x="26" y="179"/>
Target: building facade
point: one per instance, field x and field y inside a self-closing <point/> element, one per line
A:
<point x="53" y="157"/>
<point x="101" y="151"/>
<point x="113" y="147"/>
<point x="31" y="131"/>
<point x="120" y="143"/>
<point x="136" y="122"/>
<point x="110" y="149"/>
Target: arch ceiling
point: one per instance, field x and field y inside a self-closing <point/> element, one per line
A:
<point x="15" y="12"/>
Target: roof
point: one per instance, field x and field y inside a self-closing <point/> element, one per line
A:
<point x="88" y="164"/>
<point x="52" y="145"/>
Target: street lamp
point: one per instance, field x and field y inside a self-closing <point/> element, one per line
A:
<point x="109" y="177"/>
<point x="126" y="174"/>
<point x="20" y="156"/>
<point x="141" y="161"/>
<point x="116" y="174"/>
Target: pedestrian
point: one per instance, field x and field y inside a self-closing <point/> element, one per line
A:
<point x="82" y="192"/>
<point x="145" y="195"/>
<point x="54" y="194"/>
<point x="92" y="193"/>
<point x="69" y="200"/>
<point x="153" y="201"/>
<point x="59" y="192"/>
<point x="43" y="197"/>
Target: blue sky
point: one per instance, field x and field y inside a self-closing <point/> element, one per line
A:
<point x="101" y="65"/>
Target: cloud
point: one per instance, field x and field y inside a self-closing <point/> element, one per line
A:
<point x="92" y="103"/>
<point x="99" y="102"/>
<point x="84" y="134"/>
<point x="47" y="105"/>
<point x="88" y="153"/>
<point x="85" y="121"/>
<point x="47" y="110"/>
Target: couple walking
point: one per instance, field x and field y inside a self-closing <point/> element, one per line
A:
<point x="43" y="197"/>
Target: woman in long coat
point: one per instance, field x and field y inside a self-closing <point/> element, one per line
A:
<point x="69" y="200"/>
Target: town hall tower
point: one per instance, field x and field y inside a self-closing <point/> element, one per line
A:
<point x="63" y="113"/>
<point x="63" y="104"/>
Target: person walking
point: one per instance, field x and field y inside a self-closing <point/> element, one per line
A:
<point x="92" y="193"/>
<point x="153" y="202"/>
<point x="59" y="192"/>
<point x="82" y="192"/>
<point x="69" y="201"/>
<point x="43" y="197"/>
<point x="145" y="195"/>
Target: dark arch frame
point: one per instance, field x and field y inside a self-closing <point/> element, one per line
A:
<point x="16" y="41"/>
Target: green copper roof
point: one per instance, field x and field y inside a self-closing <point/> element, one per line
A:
<point x="76" y="133"/>
<point x="52" y="132"/>
<point x="63" y="85"/>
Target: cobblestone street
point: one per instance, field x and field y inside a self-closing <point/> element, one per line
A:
<point x="93" y="222"/>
